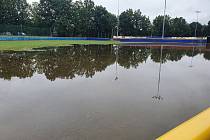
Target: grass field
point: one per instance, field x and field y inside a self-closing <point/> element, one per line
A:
<point x="27" y="45"/>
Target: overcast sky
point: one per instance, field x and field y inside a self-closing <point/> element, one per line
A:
<point x="152" y="8"/>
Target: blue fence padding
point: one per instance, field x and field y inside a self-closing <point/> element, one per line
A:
<point x="165" y="40"/>
<point x="51" y="38"/>
<point x="99" y="39"/>
<point x="169" y="44"/>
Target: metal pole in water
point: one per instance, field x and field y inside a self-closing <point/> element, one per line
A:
<point x="164" y="20"/>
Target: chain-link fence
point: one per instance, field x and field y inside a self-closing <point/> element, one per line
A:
<point x="24" y="30"/>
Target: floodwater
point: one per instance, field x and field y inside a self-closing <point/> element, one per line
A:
<point x="101" y="92"/>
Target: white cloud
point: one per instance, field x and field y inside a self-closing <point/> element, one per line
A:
<point x="152" y="8"/>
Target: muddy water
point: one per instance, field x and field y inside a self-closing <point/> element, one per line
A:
<point x="100" y="92"/>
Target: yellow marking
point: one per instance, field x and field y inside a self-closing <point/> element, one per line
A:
<point x="197" y="128"/>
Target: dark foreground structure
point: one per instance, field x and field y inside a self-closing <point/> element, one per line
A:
<point x="208" y="43"/>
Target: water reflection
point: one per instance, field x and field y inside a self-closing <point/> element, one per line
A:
<point x="191" y="62"/>
<point x="69" y="62"/>
<point x="116" y="62"/>
<point x="158" y="96"/>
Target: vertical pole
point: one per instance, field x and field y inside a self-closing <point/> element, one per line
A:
<point x="196" y="27"/>
<point x="116" y="63"/>
<point x="164" y="20"/>
<point x="161" y="57"/>
<point x="118" y="17"/>
<point x="191" y="63"/>
<point x="158" y="96"/>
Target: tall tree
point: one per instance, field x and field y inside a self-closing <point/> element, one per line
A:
<point x="22" y="8"/>
<point x="179" y="27"/>
<point x="199" y="31"/>
<point x="64" y="18"/>
<point x="158" y="26"/>
<point x="87" y="18"/>
<point x="141" y="24"/>
<point x="14" y="12"/>
<point x="208" y="29"/>
<point x="47" y="12"/>
<point x="8" y="13"/>
<point x="104" y="22"/>
<point x="126" y="22"/>
<point x="35" y="15"/>
<point x="133" y="23"/>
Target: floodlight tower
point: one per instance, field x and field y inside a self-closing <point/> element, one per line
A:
<point x="164" y="20"/>
<point x="196" y="27"/>
<point x="118" y="17"/>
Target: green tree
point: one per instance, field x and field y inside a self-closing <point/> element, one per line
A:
<point x="47" y="12"/>
<point x="104" y="22"/>
<point x="87" y="18"/>
<point x="8" y="12"/>
<point x="64" y="23"/>
<point x="22" y="8"/>
<point x="179" y="27"/>
<point x="35" y="14"/>
<point x="199" y="32"/>
<point x="208" y="29"/>
<point x="158" y="26"/>
<point x="14" y="12"/>
<point x="126" y="22"/>
<point x="141" y="24"/>
<point x="133" y="23"/>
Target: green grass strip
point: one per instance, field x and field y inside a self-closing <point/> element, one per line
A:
<point x="28" y="45"/>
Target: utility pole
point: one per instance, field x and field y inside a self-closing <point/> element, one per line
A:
<point x="196" y="27"/>
<point x="118" y="17"/>
<point x="164" y="21"/>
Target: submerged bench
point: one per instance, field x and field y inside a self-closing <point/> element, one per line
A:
<point x="197" y="128"/>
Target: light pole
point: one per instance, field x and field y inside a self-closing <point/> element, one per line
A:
<point x="196" y="27"/>
<point x="164" y="20"/>
<point x="118" y="17"/>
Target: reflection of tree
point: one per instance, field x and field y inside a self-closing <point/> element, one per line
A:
<point x="19" y="64"/>
<point x="132" y="56"/>
<point x="207" y="55"/>
<point x="192" y="52"/>
<point x="55" y="63"/>
<point x="172" y="54"/>
<point x="69" y="62"/>
<point x="168" y="54"/>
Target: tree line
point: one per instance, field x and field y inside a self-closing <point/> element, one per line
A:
<point x="85" y="19"/>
